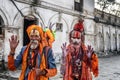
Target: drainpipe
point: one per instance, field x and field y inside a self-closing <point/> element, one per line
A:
<point x="17" y="8"/>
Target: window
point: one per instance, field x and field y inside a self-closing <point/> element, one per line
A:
<point x="59" y="27"/>
<point x="78" y="5"/>
<point x="34" y="2"/>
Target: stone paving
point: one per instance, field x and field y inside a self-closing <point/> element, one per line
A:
<point x="109" y="69"/>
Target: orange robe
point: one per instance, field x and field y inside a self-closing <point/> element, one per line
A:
<point x="87" y="67"/>
<point x="32" y="75"/>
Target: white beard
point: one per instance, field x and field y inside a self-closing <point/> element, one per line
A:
<point x="34" y="44"/>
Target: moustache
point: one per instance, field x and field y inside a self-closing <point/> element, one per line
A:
<point x="34" y="41"/>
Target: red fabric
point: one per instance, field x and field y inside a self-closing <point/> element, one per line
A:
<point x="87" y="68"/>
<point x="79" y="26"/>
<point x="11" y="65"/>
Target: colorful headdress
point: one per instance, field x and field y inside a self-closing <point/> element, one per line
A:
<point x="79" y="26"/>
<point x="39" y="30"/>
<point x="33" y="28"/>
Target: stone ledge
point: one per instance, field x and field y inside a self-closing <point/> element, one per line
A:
<point x="107" y="54"/>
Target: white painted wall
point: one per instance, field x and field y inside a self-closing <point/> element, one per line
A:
<point x="64" y="3"/>
<point x="13" y="18"/>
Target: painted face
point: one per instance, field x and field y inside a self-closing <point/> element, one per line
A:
<point x="34" y="39"/>
<point x="75" y="41"/>
<point x="76" y="37"/>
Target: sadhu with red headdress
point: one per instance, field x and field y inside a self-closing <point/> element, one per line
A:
<point x="78" y="61"/>
<point x="36" y="58"/>
<point x="79" y="27"/>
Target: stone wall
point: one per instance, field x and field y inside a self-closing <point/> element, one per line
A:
<point x="99" y="35"/>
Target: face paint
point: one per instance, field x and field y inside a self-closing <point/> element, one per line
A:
<point x="76" y="41"/>
<point x="76" y="34"/>
<point x="34" y="44"/>
<point x="75" y="37"/>
<point x="34" y="32"/>
<point x="34" y="39"/>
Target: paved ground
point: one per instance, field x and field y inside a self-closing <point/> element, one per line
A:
<point x="109" y="69"/>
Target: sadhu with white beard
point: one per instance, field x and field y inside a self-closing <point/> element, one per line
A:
<point x="78" y="61"/>
<point x="36" y="59"/>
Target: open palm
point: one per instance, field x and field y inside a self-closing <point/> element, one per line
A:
<point x="13" y="42"/>
<point x="89" y="51"/>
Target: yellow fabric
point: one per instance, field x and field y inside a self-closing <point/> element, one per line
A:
<point x="51" y="39"/>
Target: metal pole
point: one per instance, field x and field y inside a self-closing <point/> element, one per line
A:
<point x="17" y="8"/>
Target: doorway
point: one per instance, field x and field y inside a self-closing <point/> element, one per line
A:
<point x="28" y="20"/>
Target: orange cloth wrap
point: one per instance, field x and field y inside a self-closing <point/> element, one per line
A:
<point x="94" y="65"/>
<point x="31" y="75"/>
<point x="48" y="34"/>
<point x="86" y="69"/>
<point x="11" y="65"/>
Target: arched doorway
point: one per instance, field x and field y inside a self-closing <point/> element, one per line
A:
<point x="28" y="20"/>
<point x="2" y="66"/>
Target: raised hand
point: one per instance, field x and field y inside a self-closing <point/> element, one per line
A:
<point x="13" y="43"/>
<point x="64" y="49"/>
<point x="51" y="25"/>
<point x="64" y="53"/>
<point x="89" y="51"/>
